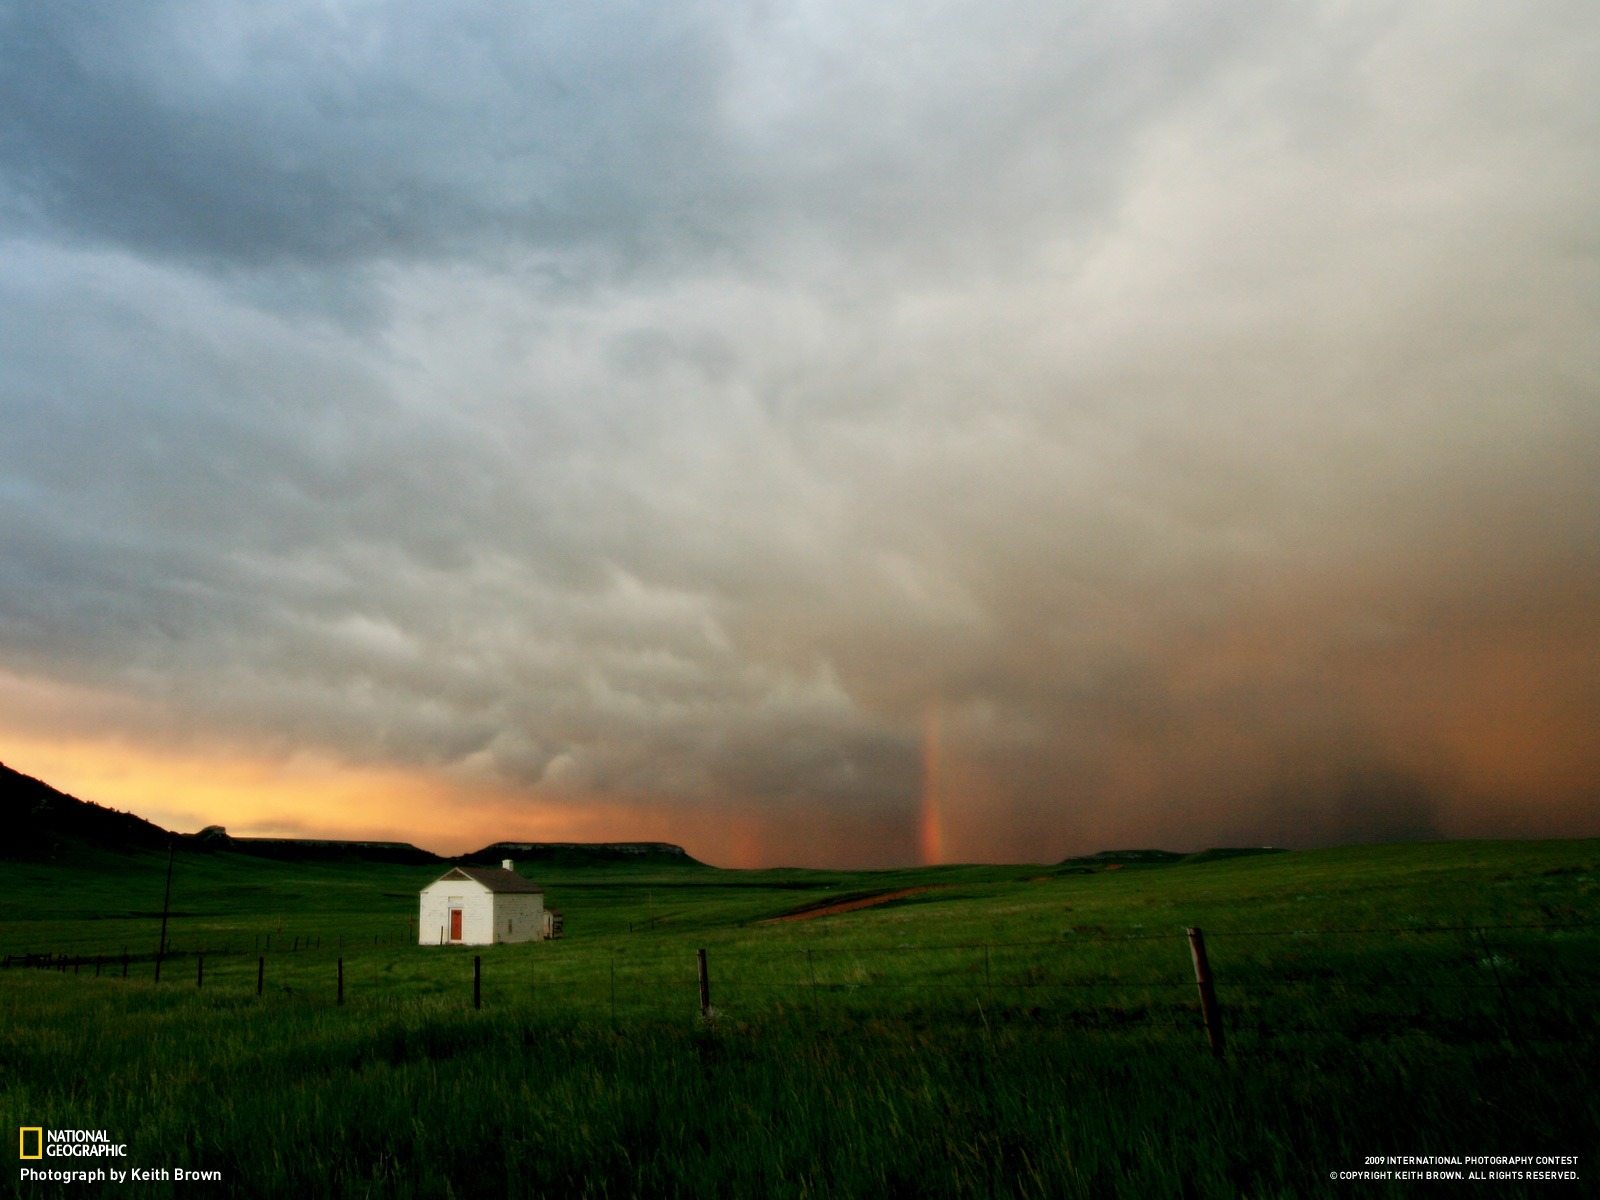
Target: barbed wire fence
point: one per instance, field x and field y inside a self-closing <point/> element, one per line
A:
<point x="1082" y="981"/>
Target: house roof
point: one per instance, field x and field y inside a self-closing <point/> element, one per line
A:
<point x="496" y="879"/>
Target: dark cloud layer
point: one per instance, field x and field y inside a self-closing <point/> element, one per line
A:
<point x="1097" y="424"/>
<point x="331" y="134"/>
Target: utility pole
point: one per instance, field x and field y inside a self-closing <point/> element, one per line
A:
<point x="166" y="904"/>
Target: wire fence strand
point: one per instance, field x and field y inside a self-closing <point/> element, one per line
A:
<point x="1263" y="999"/>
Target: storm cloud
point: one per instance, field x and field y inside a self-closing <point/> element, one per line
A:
<point x="826" y="433"/>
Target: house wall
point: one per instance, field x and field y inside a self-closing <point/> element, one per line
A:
<point x="519" y="917"/>
<point x="486" y="918"/>
<point x="477" y="913"/>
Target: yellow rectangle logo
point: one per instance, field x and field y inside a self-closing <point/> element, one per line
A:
<point x="38" y="1141"/>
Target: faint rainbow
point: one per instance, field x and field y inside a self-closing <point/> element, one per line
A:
<point x="931" y="830"/>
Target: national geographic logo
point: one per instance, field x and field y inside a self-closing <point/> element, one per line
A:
<point x="35" y="1141"/>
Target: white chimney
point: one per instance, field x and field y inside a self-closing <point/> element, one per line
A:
<point x="505" y="864"/>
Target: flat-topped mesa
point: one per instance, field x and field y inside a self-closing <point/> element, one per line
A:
<point x="612" y="847"/>
<point x="317" y="848"/>
<point x="215" y="837"/>
<point x="582" y="852"/>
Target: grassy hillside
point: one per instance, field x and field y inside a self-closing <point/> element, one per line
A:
<point x="1012" y="1031"/>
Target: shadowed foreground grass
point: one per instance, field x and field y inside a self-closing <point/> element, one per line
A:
<point x="427" y="1098"/>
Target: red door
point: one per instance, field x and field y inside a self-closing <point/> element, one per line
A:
<point x="455" y="924"/>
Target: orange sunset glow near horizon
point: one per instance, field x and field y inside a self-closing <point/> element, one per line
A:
<point x="959" y="435"/>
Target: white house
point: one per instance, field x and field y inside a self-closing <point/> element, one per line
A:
<point x="478" y="906"/>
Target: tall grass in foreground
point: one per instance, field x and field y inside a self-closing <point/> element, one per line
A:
<point x="425" y="1097"/>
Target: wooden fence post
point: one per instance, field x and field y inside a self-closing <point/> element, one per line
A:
<point x="261" y="974"/>
<point x="200" y="970"/>
<point x="124" y="962"/>
<point x="705" y="985"/>
<point x="97" y="959"/>
<point x="477" y="981"/>
<point x="341" y="981"/>
<point x="1208" y="991"/>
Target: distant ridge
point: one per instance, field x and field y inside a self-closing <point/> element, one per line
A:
<point x="1163" y="858"/>
<point x="215" y="837"/>
<point x="575" y="854"/>
<point x="1124" y="857"/>
<point x="41" y="822"/>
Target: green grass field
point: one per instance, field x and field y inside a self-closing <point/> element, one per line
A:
<point x="1014" y="1031"/>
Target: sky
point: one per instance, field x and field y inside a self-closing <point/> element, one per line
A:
<point x="815" y="433"/>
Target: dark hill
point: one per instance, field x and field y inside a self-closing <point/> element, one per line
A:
<point x="582" y="854"/>
<point x="41" y="822"/>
